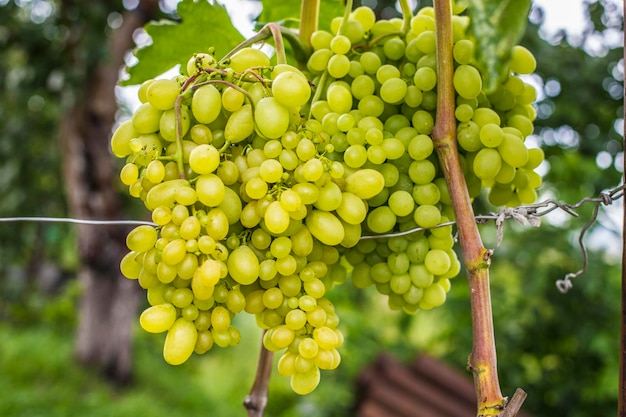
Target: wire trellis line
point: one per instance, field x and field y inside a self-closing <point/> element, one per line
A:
<point x="76" y="221"/>
<point x="525" y="214"/>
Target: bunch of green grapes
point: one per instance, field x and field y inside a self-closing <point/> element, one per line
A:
<point x="379" y="106"/>
<point x="262" y="178"/>
<point x="249" y="211"/>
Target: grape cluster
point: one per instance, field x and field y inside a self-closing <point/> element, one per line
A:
<point x="379" y="108"/>
<point x="267" y="192"/>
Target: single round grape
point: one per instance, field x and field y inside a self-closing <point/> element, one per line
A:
<point x="487" y="163"/>
<point x="210" y="190"/>
<point x="463" y="51"/>
<point x="271" y="117"/>
<point x="513" y="151"/>
<point x="491" y="135"/>
<point x="467" y="81"/>
<point x="381" y="219"/>
<point x="243" y="265"/>
<point x="437" y="261"/>
<point x="365" y="183"/>
<point x="393" y="90"/>
<point x="162" y="93"/>
<point x="370" y="62"/>
<point x="338" y="66"/>
<point x="291" y="89"/>
<point x="204" y="159"/>
<point x="522" y="60"/>
<point x="206" y="104"/>
<point x="339" y="98"/>
<point x="401" y="203"/>
<point x="427" y="216"/>
<point x="425" y="78"/>
<point x="247" y="58"/>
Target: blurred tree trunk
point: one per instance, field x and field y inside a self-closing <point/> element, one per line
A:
<point x="109" y="301"/>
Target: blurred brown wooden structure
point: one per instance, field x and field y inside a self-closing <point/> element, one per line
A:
<point x="424" y="388"/>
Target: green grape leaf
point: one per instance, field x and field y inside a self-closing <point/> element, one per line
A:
<point x="202" y="25"/>
<point x="497" y="26"/>
<point x="279" y="10"/>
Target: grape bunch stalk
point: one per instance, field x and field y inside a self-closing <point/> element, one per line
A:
<point x="270" y="184"/>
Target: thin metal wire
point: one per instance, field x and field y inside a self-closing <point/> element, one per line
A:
<point x="75" y="221"/>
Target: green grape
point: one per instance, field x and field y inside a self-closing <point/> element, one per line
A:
<point x="401" y="203"/>
<point x="164" y="194"/>
<point x="467" y="81"/>
<point x="247" y="58"/>
<point x="393" y="90"/>
<point x="338" y="66"/>
<point x="325" y="227"/>
<point x="318" y="61"/>
<point x="321" y="39"/>
<point x="352" y="209"/>
<point x="487" y="163"/>
<point x="513" y="151"/>
<point x="535" y="158"/>
<point x="468" y="136"/>
<point x="121" y="138"/>
<point x="521" y="123"/>
<point x="340" y="45"/>
<point x="210" y="190"/>
<point x="394" y="48"/>
<point x="339" y="98"/>
<point x="365" y="183"/>
<point x="423" y="122"/>
<point x="146" y="118"/>
<point x="199" y="61"/>
<point x="204" y="159"/>
<point x="426" y="42"/>
<point x="329" y="197"/>
<point x="232" y="99"/>
<point x="420" y="147"/>
<point x="386" y="72"/>
<point x="491" y="135"/>
<point x="463" y="51"/>
<point x="371" y="105"/>
<point x="141" y="238"/>
<point x="305" y="382"/>
<point x="464" y="113"/>
<point x="437" y="262"/>
<point x="485" y="115"/>
<point x="240" y="124"/>
<point x="353" y="29"/>
<point x="381" y="219"/>
<point x="129" y="174"/>
<point x="206" y="104"/>
<point x="161" y="94"/>
<point x="362" y="86"/>
<point x="291" y="89"/>
<point x="168" y="125"/>
<point x="271" y="117"/>
<point x="427" y="216"/>
<point x="522" y="60"/>
<point x="365" y="16"/>
<point x="370" y="62"/>
<point x="276" y="218"/>
<point x="243" y="265"/>
<point x="180" y="342"/>
<point x="155" y="171"/>
<point x="434" y="296"/>
<point x="394" y="148"/>
<point x="425" y="78"/>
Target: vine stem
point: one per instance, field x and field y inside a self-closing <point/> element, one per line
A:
<point x="309" y="20"/>
<point x="179" y="136"/>
<point x="256" y="401"/>
<point x="482" y="361"/>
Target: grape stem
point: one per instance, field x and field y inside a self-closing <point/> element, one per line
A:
<point x="346" y="17"/>
<point x="407" y="15"/>
<point x="309" y="20"/>
<point x="256" y="400"/>
<point x="178" y="156"/>
<point x="483" y="361"/>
